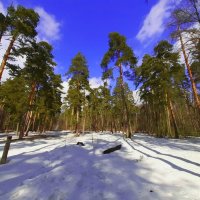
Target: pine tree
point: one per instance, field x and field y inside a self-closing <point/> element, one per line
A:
<point x="13" y="101"/>
<point x="38" y="69"/>
<point x="4" y="24"/>
<point x="78" y="85"/>
<point x="184" y="19"/>
<point x="161" y="77"/>
<point x="22" y="27"/>
<point x="123" y="58"/>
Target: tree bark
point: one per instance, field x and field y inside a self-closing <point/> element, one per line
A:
<point x="6" y="149"/>
<point x="84" y="120"/>
<point x="71" y="120"/>
<point x="194" y="89"/>
<point x="125" y="103"/>
<point x="34" y="119"/>
<point x="77" y="121"/>
<point x="17" y="129"/>
<point x="28" y="116"/>
<point x="174" y="120"/>
<point x="44" y="124"/>
<point x="6" y="55"/>
<point x="1" y="35"/>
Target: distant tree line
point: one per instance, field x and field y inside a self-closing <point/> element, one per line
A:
<point x="169" y="87"/>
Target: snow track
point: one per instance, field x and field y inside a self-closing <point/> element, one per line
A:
<point x="145" y="168"/>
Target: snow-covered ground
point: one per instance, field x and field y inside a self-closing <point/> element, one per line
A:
<point x="146" y="168"/>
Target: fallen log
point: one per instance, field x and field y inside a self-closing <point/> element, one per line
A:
<point x="110" y="150"/>
<point x="80" y="144"/>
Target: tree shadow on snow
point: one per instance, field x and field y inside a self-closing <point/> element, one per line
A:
<point x="192" y="144"/>
<point x="170" y="155"/>
<point x="165" y="160"/>
<point x="74" y="172"/>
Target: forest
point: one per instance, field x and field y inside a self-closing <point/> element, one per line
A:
<point x="168" y="82"/>
<point x="134" y="134"/>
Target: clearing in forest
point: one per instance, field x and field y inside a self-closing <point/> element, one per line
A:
<point x="144" y="168"/>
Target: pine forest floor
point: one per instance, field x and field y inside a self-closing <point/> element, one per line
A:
<point x="145" y="168"/>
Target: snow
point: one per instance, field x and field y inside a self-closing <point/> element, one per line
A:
<point x="56" y="168"/>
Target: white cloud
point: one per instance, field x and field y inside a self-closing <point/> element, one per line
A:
<point x="95" y="82"/>
<point x="5" y="75"/>
<point x="136" y="96"/>
<point x="154" y="22"/>
<point x="65" y="85"/>
<point x="48" y="28"/>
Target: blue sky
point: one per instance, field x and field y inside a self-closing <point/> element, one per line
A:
<point x="83" y="25"/>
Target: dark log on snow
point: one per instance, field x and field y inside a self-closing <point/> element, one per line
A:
<point x="80" y="144"/>
<point x="110" y="150"/>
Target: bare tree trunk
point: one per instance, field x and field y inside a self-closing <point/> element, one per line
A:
<point x="128" y="125"/>
<point x="6" y="149"/>
<point x="17" y="129"/>
<point x="50" y="124"/>
<point x="65" y="122"/>
<point x="169" y="131"/>
<point x="38" y="128"/>
<point x="1" y="35"/>
<point x="102" y="122"/>
<point x="44" y="124"/>
<point x="71" y="120"/>
<point x="115" y="128"/>
<point x="28" y="116"/>
<point x="84" y="120"/>
<point x="6" y="55"/>
<point x="1" y="116"/>
<point x="174" y="120"/>
<point x="34" y="119"/>
<point x="77" y="121"/>
<point x="194" y="89"/>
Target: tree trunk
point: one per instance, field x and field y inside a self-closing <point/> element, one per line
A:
<point x="28" y="116"/>
<point x="65" y="122"/>
<point x="102" y="122"/>
<point x="84" y="120"/>
<point x="38" y="128"/>
<point x="77" y="121"/>
<point x="71" y="120"/>
<point x="1" y="116"/>
<point x="50" y="124"/>
<point x="34" y="119"/>
<point x="194" y="89"/>
<point x="125" y="103"/>
<point x="17" y="129"/>
<point x="44" y="124"/>
<point x="1" y="35"/>
<point x="6" y="149"/>
<point x="174" y="120"/>
<point x="6" y="55"/>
